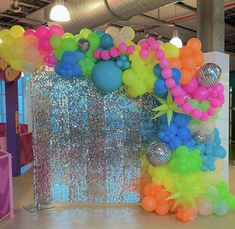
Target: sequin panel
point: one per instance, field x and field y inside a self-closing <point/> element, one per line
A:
<point x="87" y="144"/>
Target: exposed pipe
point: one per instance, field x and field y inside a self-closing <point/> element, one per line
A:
<point x="94" y="13"/>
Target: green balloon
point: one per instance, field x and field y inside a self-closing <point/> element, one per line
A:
<point x="194" y="103"/>
<point x="139" y="87"/>
<point x="56" y="41"/>
<point x="69" y="44"/>
<point x="58" y="53"/>
<point x="77" y="37"/>
<point x="128" y="77"/>
<point x="85" y="32"/>
<point x="68" y="35"/>
<point x="94" y="40"/>
<point x="204" y="106"/>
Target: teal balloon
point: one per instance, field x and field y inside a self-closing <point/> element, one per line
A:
<point x="107" y="76"/>
<point x="220" y="207"/>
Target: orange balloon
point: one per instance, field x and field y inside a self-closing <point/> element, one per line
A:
<point x="161" y="195"/>
<point x="175" y="63"/>
<point x="195" y="44"/>
<point x="185" y="52"/>
<point x="162" y="209"/>
<point x="186" y="215"/>
<point x="199" y="58"/>
<point x="194" y="72"/>
<point x="188" y="63"/>
<point x="149" y="203"/>
<point x="150" y="189"/>
<point x="186" y="76"/>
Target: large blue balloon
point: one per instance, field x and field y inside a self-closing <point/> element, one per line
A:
<point x="107" y="76"/>
<point x="69" y="57"/>
<point x="106" y="41"/>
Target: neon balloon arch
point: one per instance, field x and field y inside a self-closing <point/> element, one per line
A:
<point x="186" y="161"/>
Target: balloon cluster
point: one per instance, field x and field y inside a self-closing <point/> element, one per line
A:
<point x="123" y="62"/>
<point x="185" y="161"/>
<point x="210" y="152"/>
<point x="177" y="133"/>
<point x="124" y="35"/>
<point x="155" y="199"/>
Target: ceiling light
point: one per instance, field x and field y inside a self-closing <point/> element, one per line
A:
<point x="59" y="12"/>
<point x="176" y="40"/>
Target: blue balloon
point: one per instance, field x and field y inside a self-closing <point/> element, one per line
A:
<point x="69" y="57"/>
<point x="184" y="133"/>
<point x="172" y="129"/>
<point x="160" y="88"/>
<point x="99" y="33"/>
<point x="157" y="70"/>
<point x="123" y="58"/>
<point x="176" y="74"/>
<point x="106" y="41"/>
<point x="107" y="76"/>
<point x="77" y="70"/>
<point x="80" y="54"/>
<point x="119" y="63"/>
<point x="126" y="64"/>
<point x="181" y="120"/>
<point x="176" y="143"/>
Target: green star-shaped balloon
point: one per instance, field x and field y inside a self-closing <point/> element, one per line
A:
<point x="167" y="107"/>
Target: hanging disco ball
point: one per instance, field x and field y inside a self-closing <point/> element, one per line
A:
<point x="158" y="154"/>
<point x="209" y="74"/>
<point x="199" y="137"/>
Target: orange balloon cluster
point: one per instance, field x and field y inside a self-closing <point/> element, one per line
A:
<point x="189" y="60"/>
<point x="155" y="199"/>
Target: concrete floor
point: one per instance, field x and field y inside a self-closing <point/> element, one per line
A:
<point x="100" y="217"/>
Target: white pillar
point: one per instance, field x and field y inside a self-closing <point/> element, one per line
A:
<point x="222" y="123"/>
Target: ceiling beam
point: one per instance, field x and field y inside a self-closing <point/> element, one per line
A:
<point x="186" y="6"/>
<point x="29" y="5"/>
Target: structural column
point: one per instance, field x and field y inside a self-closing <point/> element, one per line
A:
<point x="13" y="135"/>
<point x="210" y="24"/>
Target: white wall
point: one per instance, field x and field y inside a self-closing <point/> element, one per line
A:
<point x="222" y="123"/>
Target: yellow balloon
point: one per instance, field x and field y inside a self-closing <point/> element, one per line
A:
<point x="4" y="32"/>
<point x="8" y="39"/>
<point x="128" y="33"/>
<point x="17" y="65"/>
<point x="68" y="35"/>
<point x="17" y="31"/>
<point x="171" y="50"/>
<point x="149" y="83"/>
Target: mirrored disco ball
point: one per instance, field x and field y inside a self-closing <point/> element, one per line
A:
<point x="209" y="74"/>
<point x="158" y="154"/>
<point x="199" y="137"/>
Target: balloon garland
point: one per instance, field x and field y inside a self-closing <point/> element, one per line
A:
<point x="185" y="162"/>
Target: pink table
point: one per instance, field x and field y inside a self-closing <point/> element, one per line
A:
<point x="6" y="191"/>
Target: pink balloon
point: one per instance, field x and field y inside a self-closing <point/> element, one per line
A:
<point x="164" y="63"/>
<point x="144" y="53"/>
<point x="200" y="94"/>
<point x="211" y="111"/>
<point x="179" y="100"/>
<point x="56" y="29"/>
<point x="219" y="87"/>
<point x="215" y="103"/>
<point x="44" y="45"/>
<point x="159" y="54"/>
<point x="155" y="45"/>
<point x="122" y="47"/>
<point x="191" y="86"/>
<point x="105" y="55"/>
<point x="113" y="52"/>
<point x="42" y="32"/>
<point x="196" y="113"/>
<point x="130" y="49"/>
<point x="187" y="108"/>
<point x="144" y="44"/>
<point x="167" y="73"/>
<point x="204" y="116"/>
<point x="97" y="54"/>
<point x="150" y="40"/>
<point x="29" y="32"/>
<point x="170" y="83"/>
<point x="176" y="91"/>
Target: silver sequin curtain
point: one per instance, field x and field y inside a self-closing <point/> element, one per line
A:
<point x="87" y="144"/>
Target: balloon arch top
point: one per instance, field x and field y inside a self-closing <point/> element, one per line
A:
<point x="186" y="160"/>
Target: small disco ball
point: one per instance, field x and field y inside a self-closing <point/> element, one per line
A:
<point x="209" y="74"/>
<point x="199" y="137"/>
<point x="83" y="44"/>
<point x="158" y="154"/>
